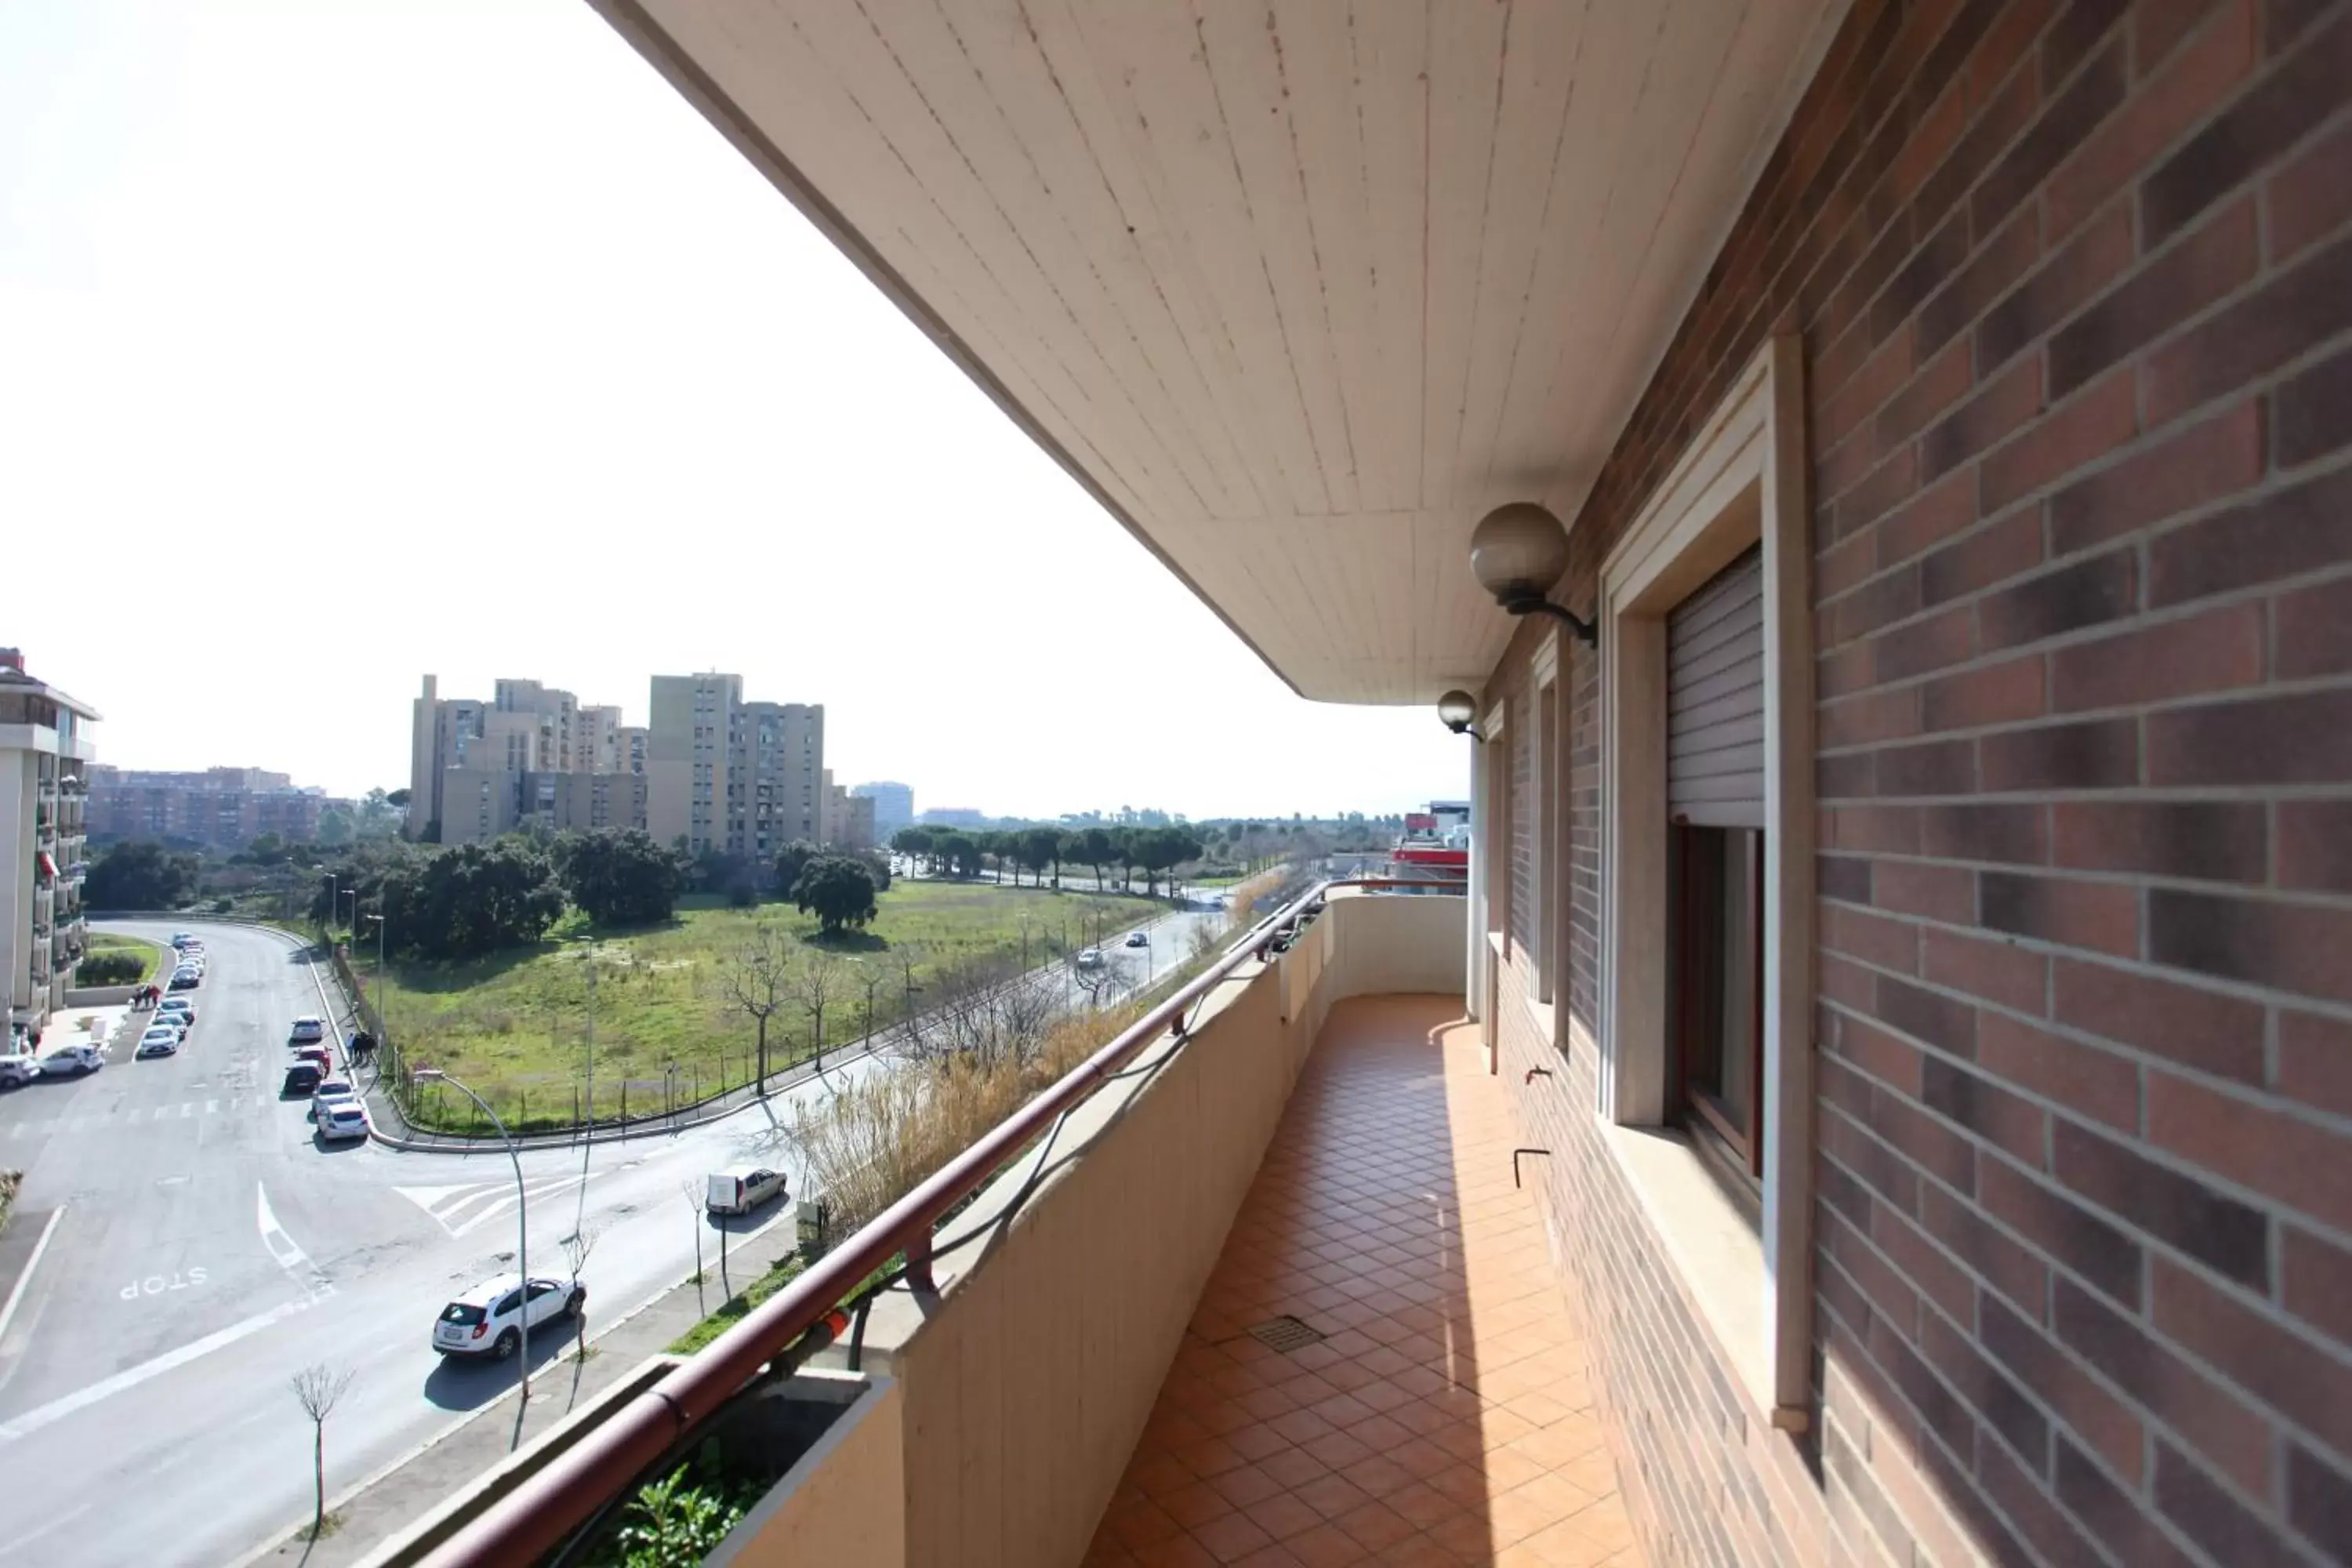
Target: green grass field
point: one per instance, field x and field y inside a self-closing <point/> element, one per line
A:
<point x="147" y="952"/>
<point x="514" y="1026"/>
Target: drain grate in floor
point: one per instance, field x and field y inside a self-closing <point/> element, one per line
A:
<point x="1285" y="1334"/>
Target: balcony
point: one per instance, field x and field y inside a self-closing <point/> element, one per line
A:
<point x="1098" y="1371"/>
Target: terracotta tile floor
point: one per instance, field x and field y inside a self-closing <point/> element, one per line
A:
<point x="1445" y="1418"/>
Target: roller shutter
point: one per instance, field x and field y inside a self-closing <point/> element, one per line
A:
<point x="1715" y="699"/>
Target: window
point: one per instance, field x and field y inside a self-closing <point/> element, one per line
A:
<point x="1715" y="988"/>
<point x="1705" y="1003"/>
<point x="1544" y="846"/>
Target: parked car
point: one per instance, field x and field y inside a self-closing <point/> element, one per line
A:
<point x="333" y="1088"/>
<point x="75" y="1059"/>
<point x="1137" y="938"/>
<point x="302" y="1077"/>
<point x="317" y="1057"/>
<point x="162" y="1040"/>
<point x="741" y="1188"/>
<point x="487" y="1320"/>
<point x="17" y="1068"/>
<point x="339" y="1120"/>
<point x="307" y="1029"/>
<point x="185" y="979"/>
<point x="176" y="1006"/>
<point x="183" y="938"/>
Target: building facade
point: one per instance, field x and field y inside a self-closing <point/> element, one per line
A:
<point x="45" y="751"/>
<point x="894" y="806"/>
<point x="775" y="776"/>
<point x="224" y="809"/>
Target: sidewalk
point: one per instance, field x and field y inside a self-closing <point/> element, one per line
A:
<point x="400" y="1494"/>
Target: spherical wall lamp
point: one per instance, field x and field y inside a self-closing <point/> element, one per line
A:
<point x="1458" y="711"/>
<point x="1516" y="552"/>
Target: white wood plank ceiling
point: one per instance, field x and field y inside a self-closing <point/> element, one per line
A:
<point x="1299" y="288"/>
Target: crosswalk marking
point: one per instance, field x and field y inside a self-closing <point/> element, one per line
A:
<point x="460" y="1209"/>
<point x="132" y="1115"/>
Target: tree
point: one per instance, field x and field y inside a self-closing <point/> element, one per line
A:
<point x="141" y="874"/>
<point x="576" y="1248"/>
<point x="619" y="875"/>
<point x="470" y="900"/>
<point x="1092" y="847"/>
<point x="335" y="825"/>
<point x="1041" y="847"/>
<point x="838" y="890"/>
<point x="792" y="860"/>
<point x="915" y="843"/>
<point x="757" y="980"/>
<point x="907" y="957"/>
<point x="819" y="983"/>
<point x="959" y="852"/>
<point x="319" y="1389"/>
<point x="398" y="799"/>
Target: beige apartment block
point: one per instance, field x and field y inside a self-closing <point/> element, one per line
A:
<point x="775" y="776"/>
<point x="686" y="758"/>
<point x="45" y="752"/>
<point x="441" y="731"/>
<point x="597" y="740"/>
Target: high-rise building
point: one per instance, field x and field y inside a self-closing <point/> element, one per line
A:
<point x="556" y="715"/>
<point x="725" y="773"/>
<point x="686" y="758"/>
<point x="441" y="732"/>
<point x="775" y="776"/>
<point x="894" y="806"/>
<point x="222" y="807"/>
<point x="45" y="753"/>
<point x="597" y="740"/>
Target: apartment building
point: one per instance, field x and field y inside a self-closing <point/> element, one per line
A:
<point x="1867" y="480"/>
<point x="725" y="773"/>
<point x="477" y="770"/>
<point x="894" y="806"/>
<point x="848" y="819"/>
<point x="224" y="809"/>
<point x="46" y="752"/>
<point x="441" y="730"/>
<point x="689" y="717"/>
<point x="776" y="777"/>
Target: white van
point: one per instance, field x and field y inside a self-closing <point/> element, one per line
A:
<point x="741" y="1188"/>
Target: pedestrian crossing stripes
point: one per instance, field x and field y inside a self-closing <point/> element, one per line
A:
<point x="136" y="1115"/>
<point x="460" y="1209"/>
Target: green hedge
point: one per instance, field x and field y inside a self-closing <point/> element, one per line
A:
<point x="110" y="969"/>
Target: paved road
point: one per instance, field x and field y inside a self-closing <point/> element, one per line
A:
<point x="209" y="1248"/>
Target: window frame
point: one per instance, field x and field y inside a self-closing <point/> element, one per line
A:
<point x="1740" y="482"/>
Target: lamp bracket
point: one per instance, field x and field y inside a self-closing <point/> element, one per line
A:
<point x="1536" y="604"/>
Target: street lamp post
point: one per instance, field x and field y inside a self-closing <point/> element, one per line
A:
<point x="523" y="1218"/>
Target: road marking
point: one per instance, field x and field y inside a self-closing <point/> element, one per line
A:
<point x="57" y="1410"/>
<point x="287" y="1253"/>
<point x="446" y="1203"/>
<point x="20" y="1542"/>
<point x="8" y="1312"/>
<point x="156" y="1284"/>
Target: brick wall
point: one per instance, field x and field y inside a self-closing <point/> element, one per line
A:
<point x="2075" y="286"/>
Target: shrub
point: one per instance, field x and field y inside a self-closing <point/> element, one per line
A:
<point x="110" y="969"/>
<point x="223" y="906"/>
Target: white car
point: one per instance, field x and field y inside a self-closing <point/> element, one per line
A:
<point x="741" y="1188"/>
<point x="487" y="1320"/>
<point x="18" y="1068"/>
<point x="162" y="1040"/>
<point x="308" y="1030"/>
<point x="340" y="1119"/>
<point x="185" y="939"/>
<point x="81" y="1058"/>
<point x="178" y="1007"/>
<point x="1091" y="958"/>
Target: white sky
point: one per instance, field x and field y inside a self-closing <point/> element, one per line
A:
<point x="341" y="343"/>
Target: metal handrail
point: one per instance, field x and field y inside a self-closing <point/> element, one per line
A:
<point x="538" y="1514"/>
